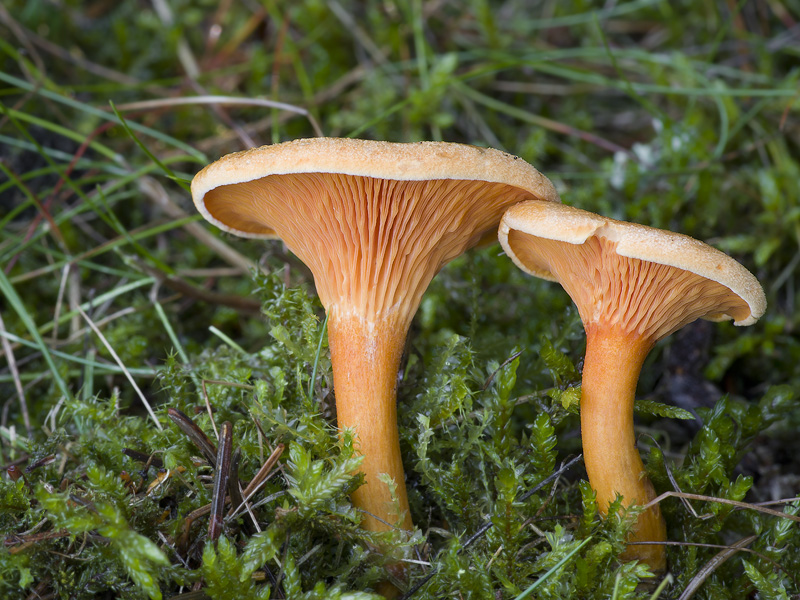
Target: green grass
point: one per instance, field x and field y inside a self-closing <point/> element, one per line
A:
<point x="679" y="115"/>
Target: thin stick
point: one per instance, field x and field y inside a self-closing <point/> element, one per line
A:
<point x="672" y="479"/>
<point x="224" y="100"/>
<point x="12" y="366"/>
<point x="234" y="489"/>
<point x="208" y="408"/>
<point x="743" y="505"/>
<point x="221" y="476"/>
<point x="739" y="548"/>
<point x="228" y="100"/>
<point x="259" y="480"/>
<point x="773" y="502"/>
<point x="181" y="286"/>
<point x="183" y="540"/>
<point x="491" y="377"/>
<point x="707" y="569"/>
<point x="121" y="366"/>
<point x="147" y="459"/>
<point x="194" y="433"/>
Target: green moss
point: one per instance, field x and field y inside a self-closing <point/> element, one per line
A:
<point x="678" y="115"/>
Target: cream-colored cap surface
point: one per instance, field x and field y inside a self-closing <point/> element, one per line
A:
<point x="382" y="160"/>
<point x="574" y="226"/>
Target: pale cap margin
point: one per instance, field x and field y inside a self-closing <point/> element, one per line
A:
<point x="574" y="226"/>
<point x="415" y="161"/>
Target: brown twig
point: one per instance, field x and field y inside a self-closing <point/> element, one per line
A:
<point x="194" y="433"/>
<point x="147" y="459"/>
<point x="221" y="477"/>
<point x="707" y="569"/>
<point x="183" y="541"/>
<point x="257" y="482"/>
<point x="737" y="504"/>
<point x="181" y="286"/>
<point x="671" y="477"/>
<point x="773" y="502"/>
<point x="18" y="543"/>
<point x="234" y="490"/>
<point x="42" y="462"/>
<point x="507" y="361"/>
<point x="737" y="547"/>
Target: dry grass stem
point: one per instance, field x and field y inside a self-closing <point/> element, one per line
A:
<point x="121" y="366"/>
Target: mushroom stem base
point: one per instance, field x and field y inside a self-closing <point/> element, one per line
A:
<point x="611" y="370"/>
<point x="365" y="356"/>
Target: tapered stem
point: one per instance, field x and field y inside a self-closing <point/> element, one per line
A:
<point x="611" y="370"/>
<point x="366" y="356"/>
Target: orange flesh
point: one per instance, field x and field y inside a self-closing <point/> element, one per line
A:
<point x="644" y="298"/>
<point x="610" y="372"/>
<point x="373" y="246"/>
<point x="626" y="306"/>
<point x="365" y="361"/>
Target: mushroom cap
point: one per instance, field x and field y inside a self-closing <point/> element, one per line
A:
<point x="418" y="161"/>
<point x="374" y="221"/>
<point x="690" y="263"/>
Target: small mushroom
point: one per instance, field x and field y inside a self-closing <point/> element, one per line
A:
<point x="633" y="285"/>
<point x="374" y="222"/>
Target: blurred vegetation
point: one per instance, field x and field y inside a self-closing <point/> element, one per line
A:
<point x="681" y="115"/>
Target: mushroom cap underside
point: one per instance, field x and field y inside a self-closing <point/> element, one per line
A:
<point x="729" y="290"/>
<point x="417" y="161"/>
<point x="373" y="241"/>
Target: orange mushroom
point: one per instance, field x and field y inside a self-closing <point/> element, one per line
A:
<point x="633" y="285"/>
<point x="374" y="222"/>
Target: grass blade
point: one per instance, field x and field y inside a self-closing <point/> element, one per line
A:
<point x="19" y="307"/>
<point x="553" y="569"/>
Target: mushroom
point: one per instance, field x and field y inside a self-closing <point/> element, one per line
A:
<point x="633" y="285"/>
<point x="374" y="222"/>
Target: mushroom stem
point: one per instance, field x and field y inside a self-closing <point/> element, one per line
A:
<point x="365" y="356"/>
<point x="614" y="358"/>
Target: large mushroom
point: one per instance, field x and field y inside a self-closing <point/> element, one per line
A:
<point x="374" y="222"/>
<point x="633" y="285"/>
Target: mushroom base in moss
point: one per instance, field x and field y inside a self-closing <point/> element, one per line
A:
<point x="609" y="446"/>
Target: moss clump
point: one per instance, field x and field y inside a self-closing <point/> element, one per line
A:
<point x="674" y="115"/>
